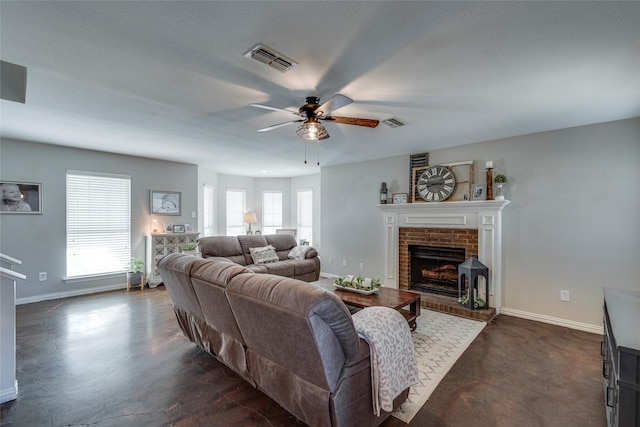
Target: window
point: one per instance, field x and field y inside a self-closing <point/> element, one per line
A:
<point x="98" y="223"/>
<point x="208" y="212"/>
<point x="236" y="202"/>
<point x="305" y="215"/>
<point x="271" y="211"/>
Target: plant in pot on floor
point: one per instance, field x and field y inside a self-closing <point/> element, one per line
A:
<point x="137" y="271"/>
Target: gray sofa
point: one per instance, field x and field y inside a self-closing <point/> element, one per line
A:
<point x="237" y="249"/>
<point x="293" y="340"/>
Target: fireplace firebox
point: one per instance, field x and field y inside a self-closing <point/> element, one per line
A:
<point x="434" y="269"/>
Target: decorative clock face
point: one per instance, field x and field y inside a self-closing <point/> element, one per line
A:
<point x="436" y="183"/>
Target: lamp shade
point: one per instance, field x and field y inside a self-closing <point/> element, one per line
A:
<point x="312" y="130"/>
<point x="250" y="217"/>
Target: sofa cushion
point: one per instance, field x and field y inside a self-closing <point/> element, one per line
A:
<point x="299" y="252"/>
<point x="282" y="268"/>
<point x="223" y="246"/>
<point x="282" y="243"/>
<point x="248" y="242"/>
<point x="263" y="255"/>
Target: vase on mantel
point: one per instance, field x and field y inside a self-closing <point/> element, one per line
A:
<point x="499" y="192"/>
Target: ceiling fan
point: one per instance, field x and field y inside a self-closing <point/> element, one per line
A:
<point x="312" y="113"/>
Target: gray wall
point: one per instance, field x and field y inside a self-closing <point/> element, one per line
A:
<point x="573" y="222"/>
<point x="40" y="240"/>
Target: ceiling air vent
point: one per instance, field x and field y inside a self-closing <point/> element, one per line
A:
<point x="393" y="122"/>
<point x="268" y="56"/>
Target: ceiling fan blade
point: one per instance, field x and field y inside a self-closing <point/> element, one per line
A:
<point x="335" y="102"/>
<point x="268" y="107"/>
<point x="279" y="126"/>
<point x="370" y="123"/>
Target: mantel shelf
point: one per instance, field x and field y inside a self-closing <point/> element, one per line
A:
<point x="463" y="206"/>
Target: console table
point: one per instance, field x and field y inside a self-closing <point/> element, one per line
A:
<point x="159" y="245"/>
<point x="621" y="357"/>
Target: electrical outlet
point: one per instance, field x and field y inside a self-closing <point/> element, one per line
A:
<point x="565" y="296"/>
<point x="344" y="262"/>
<point x="330" y="261"/>
<point x="361" y="266"/>
<point x="193" y="214"/>
<point x="42" y="276"/>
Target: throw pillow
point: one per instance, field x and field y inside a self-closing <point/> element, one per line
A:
<point x="263" y="255"/>
<point x="299" y="252"/>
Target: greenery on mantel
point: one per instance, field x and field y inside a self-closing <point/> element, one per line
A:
<point x="500" y="179"/>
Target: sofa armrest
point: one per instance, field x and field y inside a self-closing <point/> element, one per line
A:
<point x="311" y="253"/>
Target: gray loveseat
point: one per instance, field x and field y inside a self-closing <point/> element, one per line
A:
<point x="237" y="249"/>
<point x="293" y="340"/>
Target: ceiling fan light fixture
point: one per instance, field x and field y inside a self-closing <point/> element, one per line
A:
<point x="312" y="130"/>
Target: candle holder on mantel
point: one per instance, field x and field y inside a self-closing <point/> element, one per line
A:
<point x="489" y="179"/>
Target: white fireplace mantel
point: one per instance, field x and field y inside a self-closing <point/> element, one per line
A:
<point x="484" y="216"/>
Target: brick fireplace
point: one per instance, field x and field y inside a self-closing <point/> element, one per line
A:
<point x="465" y="240"/>
<point x="475" y="226"/>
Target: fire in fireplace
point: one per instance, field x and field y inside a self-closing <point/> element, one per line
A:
<point x="434" y="269"/>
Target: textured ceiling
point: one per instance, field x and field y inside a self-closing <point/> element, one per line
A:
<point x="169" y="80"/>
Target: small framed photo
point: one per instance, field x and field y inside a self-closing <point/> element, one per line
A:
<point x="20" y="197"/>
<point x="187" y="227"/>
<point x="168" y="228"/>
<point x="178" y="228"/>
<point x="399" y="198"/>
<point x="165" y="202"/>
<point x="479" y="192"/>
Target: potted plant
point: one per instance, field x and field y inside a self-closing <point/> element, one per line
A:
<point x="136" y="273"/>
<point x="501" y="180"/>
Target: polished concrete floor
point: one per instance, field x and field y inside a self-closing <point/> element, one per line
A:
<point x="119" y="359"/>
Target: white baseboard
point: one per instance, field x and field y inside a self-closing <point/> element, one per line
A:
<point x="328" y="275"/>
<point x="67" y="294"/>
<point x="10" y="393"/>
<point x="586" y="327"/>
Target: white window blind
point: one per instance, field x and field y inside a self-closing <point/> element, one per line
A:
<point x="208" y="212"/>
<point x="98" y="223"/>
<point x="236" y="201"/>
<point x="305" y="215"/>
<point x="271" y="211"/>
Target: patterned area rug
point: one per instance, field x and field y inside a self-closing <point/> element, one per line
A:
<point x="439" y="340"/>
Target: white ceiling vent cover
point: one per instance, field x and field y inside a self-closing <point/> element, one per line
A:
<point x="272" y="58"/>
<point x="393" y="122"/>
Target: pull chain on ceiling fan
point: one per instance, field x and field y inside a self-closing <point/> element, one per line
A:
<point x="312" y="113"/>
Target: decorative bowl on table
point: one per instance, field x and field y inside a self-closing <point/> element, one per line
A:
<point x="360" y="285"/>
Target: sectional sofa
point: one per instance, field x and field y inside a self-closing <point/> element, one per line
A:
<point x="298" y="262"/>
<point x="293" y="340"/>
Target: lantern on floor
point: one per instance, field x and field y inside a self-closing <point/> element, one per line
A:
<point x="473" y="269"/>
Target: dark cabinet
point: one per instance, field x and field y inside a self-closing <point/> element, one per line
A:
<point x="621" y="357"/>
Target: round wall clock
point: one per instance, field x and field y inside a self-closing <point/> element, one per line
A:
<point x="436" y="183"/>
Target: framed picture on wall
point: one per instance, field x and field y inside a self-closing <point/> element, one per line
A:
<point x="165" y="202"/>
<point x="20" y="197"/>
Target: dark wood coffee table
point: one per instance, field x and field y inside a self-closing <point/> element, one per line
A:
<point x="385" y="297"/>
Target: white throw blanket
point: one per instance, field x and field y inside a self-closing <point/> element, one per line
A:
<point x="393" y="359"/>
